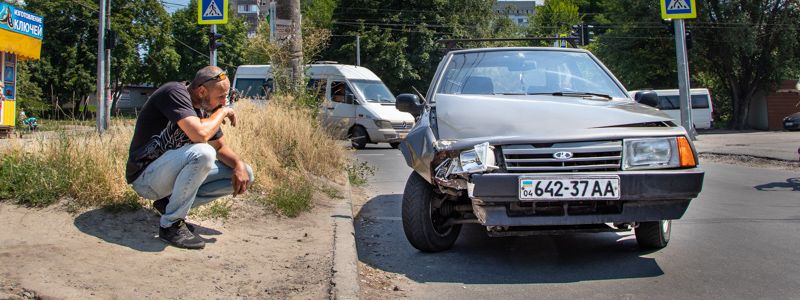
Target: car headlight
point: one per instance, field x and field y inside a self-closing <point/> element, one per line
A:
<point x="383" y="124"/>
<point x="657" y="153"/>
<point x="476" y="160"/>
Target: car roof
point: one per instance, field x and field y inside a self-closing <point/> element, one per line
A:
<point x="347" y="71"/>
<point x="555" y="49"/>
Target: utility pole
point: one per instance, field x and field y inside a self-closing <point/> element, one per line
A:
<point x="684" y="89"/>
<point x="213" y="47"/>
<point x="107" y="112"/>
<point x="290" y="9"/>
<point x="101" y="30"/>
<point x="358" y="50"/>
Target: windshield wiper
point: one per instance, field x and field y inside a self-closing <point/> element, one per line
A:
<point x="574" y="94"/>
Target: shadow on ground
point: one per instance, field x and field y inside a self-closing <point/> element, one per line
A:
<point x="137" y="230"/>
<point x="792" y="184"/>
<point x="478" y="259"/>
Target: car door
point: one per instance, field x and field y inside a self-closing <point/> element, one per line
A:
<point x="339" y="111"/>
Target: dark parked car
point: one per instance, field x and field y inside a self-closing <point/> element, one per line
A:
<point x="792" y="122"/>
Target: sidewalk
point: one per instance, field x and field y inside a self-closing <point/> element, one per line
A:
<point x="780" y="145"/>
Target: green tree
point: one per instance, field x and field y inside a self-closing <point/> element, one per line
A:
<point x="192" y="42"/>
<point x="29" y="94"/>
<point x="750" y="45"/>
<point x="318" y="13"/>
<point x="399" y="39"/>
<point x="555" y="17"/>
<point x="67" y="69"/>
<point x="637" y="46"/>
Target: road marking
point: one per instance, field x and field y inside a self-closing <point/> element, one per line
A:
<point x="384" y="218"/>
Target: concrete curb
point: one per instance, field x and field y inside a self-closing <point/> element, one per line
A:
<point x="345" y="266"/>
<point x="747" y="155"/>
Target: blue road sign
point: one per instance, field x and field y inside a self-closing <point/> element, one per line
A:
<point x="212" y="11"/>
<point x="678" y="9"/>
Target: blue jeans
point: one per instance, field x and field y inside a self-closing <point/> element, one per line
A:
<point x="190" y="175"/>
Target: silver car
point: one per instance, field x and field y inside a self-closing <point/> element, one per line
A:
<point x="541" y="140"/>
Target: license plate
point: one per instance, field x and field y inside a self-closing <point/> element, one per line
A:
<point x="789" y="124"/>
<point x="569" y="187"/>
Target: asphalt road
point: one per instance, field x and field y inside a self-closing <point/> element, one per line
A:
<point x="740" y="239"/>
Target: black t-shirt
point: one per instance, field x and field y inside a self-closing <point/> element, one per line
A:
<point x="157" y="128"/>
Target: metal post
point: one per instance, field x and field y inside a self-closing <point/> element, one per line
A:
<point x="358" y="50"/>
<point x="101" y="32"/>
<point x="272" y="18"/>
<point x="213" y="49"/>
<point x="683" y="79"/>
<point x="107" y="99"/>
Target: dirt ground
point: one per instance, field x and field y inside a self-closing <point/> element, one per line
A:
<point x="373" y="282"/>
<point x="51" y="254"/>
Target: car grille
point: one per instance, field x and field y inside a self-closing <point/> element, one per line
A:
<point x="403" y="126"/>
<point x="596" y="156"/>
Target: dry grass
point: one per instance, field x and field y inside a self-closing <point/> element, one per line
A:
<point x="283" y="143"/>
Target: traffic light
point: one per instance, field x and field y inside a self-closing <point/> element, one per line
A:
<point x="586" y="34"/>
<point x="577" y="34"/>
<point x="111" y="39"/>
<point x="688" y="39"/>
<point x="213" y="40"/>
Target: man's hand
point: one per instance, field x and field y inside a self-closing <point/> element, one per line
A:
<point x="240" y="179"/>
<point x="229" y="114"/>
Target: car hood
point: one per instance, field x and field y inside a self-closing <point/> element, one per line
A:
<point x="493" y="117"/>
<point x="794" y="116"/>
<point x="389" y="112"/>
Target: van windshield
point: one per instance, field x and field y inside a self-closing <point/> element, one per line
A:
<point x="373" y="91"/>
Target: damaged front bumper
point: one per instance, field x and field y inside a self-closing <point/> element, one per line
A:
<point x="644" y="196"/>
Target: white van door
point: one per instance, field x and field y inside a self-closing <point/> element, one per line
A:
<point x="339" y="111"/>
<point x="701" y="109"/>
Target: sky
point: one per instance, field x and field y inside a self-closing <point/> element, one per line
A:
<point x="173" y="5"/>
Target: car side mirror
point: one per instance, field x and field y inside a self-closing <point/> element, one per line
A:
<point x="409" y="103"/>
<point x="349" y="98"/>
<point x="649" y="98"/>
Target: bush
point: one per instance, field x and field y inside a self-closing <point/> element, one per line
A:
<point x="282" y="141"/>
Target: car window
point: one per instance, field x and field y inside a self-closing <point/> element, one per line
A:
<point x="699" y="101"/>
<point x="373" y="91"/>
<point x="250" y="87"/>
<point x="317" y="87"/>
<point x="674" y="102"/>
<point x="339" y="91"/>
<point x="525" y="71"/>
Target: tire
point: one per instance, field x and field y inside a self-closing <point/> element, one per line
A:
<point x="359" y="137"/>
<point x="653" y="235"/>
<point x="394" y="145"/>
<point x="420" y="219"/>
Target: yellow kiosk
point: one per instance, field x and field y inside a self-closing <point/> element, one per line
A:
<point x="21" y="34"/>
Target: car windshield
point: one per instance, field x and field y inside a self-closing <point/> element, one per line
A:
<point x="373" y="91"/>
<point x="526" y="72"/>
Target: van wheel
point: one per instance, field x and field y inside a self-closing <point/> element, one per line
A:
<point x="653" y="235"/>
<point x="394" y="145"/>
<point x="425" y="226"/>
<point x="359" y="137"/>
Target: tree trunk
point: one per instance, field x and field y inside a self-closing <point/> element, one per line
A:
<point x="296" y="46"/>
<point x="290" y="10"/>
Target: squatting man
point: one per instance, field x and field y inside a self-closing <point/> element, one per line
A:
<point x="178" y="156"/>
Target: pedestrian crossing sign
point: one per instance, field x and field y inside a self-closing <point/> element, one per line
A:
<point x="212" y="11"/>
<point x="678" y="9"/>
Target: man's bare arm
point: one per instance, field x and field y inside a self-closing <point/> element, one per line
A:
<point x="225" y="154"/>
<point x="202" y="130"/>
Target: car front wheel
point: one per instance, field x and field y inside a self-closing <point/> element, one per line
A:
<point x="653" y="235"/>
<point x="425" y="226"/>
